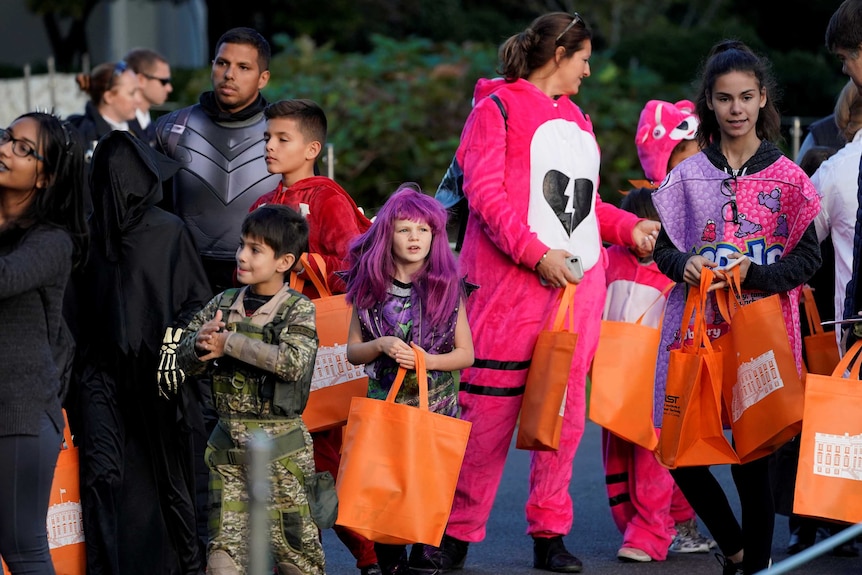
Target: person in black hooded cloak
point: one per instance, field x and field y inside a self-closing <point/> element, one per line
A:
<point x="143" y="282"/>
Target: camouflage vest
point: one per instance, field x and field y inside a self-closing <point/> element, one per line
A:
<point x="241" y="390"/>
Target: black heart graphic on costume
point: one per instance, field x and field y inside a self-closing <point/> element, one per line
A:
<point x="554" y="189"/>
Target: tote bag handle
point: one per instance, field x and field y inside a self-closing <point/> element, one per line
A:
<point x="421" y="379"/>
<point x="318" y="280"/>
<point x="812" y="314"/>
<point x="852" y="361"/>
<point x="661" y="296"/>
<point x="695" y="303"/>
<point x="565" y="309"/>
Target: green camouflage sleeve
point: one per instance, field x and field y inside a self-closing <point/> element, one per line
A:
<point x="187" y="358"/>
<point x="294" y="355"/>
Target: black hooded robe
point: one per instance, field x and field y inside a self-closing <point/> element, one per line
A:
<point x="144" y="274"/>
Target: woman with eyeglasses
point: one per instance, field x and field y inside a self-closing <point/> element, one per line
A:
<point x="42" y="238"/>
<point x="531" y="174"/>
<point x="738" y="199"/>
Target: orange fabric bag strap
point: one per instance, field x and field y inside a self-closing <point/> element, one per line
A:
<point x="851" y="360"/>
<point x="812" y="314"/>
<point x="67" y="432"/>
<point x="421" y="379"/>
<point x="566" y="308"/>
<point x="661" y="296"/>
<point x="729" y="300"/>
<point x="695" y="304"/>
<point x="321" y="284"/>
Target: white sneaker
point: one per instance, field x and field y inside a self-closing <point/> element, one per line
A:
<point x="632" y="555"/>
<point x="689" y="540"/>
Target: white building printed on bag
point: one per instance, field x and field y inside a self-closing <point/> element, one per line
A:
<point x="331" y="367"/>
<point x="755" y="380"/>
<point x="838" y="455"/>
<point x="65" y="524"/>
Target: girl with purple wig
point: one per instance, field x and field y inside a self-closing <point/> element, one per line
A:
<point x="404" y="288"/>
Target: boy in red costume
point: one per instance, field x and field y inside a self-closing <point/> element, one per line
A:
<point x="295" y="134"/>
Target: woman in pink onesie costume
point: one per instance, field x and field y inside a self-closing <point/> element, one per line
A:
<point x="531" y="182"/>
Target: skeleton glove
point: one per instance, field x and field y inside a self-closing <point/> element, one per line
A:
<point x="169" y="375"/>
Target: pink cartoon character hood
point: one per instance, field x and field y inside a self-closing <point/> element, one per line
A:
<point x="661" y="127"/>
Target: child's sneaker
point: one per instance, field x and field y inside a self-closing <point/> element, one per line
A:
<point x="632" y="555"/>
<point x="689" y="540"/>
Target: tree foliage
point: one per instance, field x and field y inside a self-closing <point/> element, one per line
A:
<point x="395" y="77"/>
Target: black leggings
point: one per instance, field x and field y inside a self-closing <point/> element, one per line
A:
<point x="24" y="493"/>
<point x="706" y="496"/>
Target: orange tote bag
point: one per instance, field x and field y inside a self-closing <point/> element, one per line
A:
<point x="544" y="403"/>
<point x="65" y="521"/>
<point x="623" y="379"/>
<point x="764" y="399"/>
<point x="828" y="479"/>
<point x="821" y="347"/>
<point x="691" y="430"/>
<point x="335" y="381"/>
<point x="399" y="467"/>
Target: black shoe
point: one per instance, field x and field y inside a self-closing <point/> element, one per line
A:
<point x="373" y="569"/>
<point x="391" y="559"/>
<point x="728" y="567"/>
<point x="550" y="554"/>
<point x="430" y="560"/>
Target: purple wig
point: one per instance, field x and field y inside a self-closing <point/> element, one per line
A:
<point x="372" y="267"/>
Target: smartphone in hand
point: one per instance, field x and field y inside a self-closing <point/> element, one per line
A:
<point x="575" y="266"/>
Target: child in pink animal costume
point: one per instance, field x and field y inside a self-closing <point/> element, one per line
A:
<point x="642" y="496"/>
<point x="531" y="182"/>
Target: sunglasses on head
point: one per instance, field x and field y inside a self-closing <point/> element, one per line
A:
<point x="575" y="19"/>
<point x="164" y="81"/>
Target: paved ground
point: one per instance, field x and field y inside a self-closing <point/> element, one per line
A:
<point x="594" y="538"/>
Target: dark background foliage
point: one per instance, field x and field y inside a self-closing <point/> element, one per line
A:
<point x="395" y="77"/>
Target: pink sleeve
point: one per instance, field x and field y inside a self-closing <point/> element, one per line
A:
<point x="499" y="206"/>
<point x="616" y="225"/>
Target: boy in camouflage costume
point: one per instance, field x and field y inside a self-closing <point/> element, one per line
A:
<point x="264" y="340"/>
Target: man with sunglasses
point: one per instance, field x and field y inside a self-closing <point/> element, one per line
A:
<point x="154" y="78"/>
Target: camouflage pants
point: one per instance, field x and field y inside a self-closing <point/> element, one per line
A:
<point x="294" y="537"/>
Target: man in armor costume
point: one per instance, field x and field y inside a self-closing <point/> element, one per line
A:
<point x="220" y="143"/>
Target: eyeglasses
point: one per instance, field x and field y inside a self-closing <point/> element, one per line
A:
<point x="21" y="148"/>
<point x="164" y="81"/>
<point x="728" y="189"/>
<point x="575" y="19"/>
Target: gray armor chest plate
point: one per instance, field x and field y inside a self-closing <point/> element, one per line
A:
<point x="224" y="173"/>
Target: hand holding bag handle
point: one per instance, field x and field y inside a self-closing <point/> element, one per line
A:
<point x="421" y="379"/>
<point x="384" y="488"/>
<point x="692" y="433"/>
